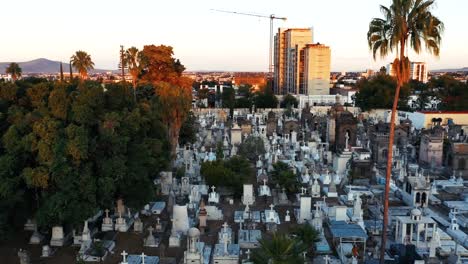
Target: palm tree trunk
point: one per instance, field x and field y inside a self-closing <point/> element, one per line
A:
<point x="400" y="77"/>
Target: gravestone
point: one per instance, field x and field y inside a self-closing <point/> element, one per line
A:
<point x="138" y="225"/>
<point x="213" y="197"/>
<point x="46" y="251"/>
<point x="107" y="223"/>
<point x="181" y="220"/>
<point x="24" y="257"/>
<point x="36" y="238"/>
<point x="287" y="218"/>
<point x="185" y="185"/>
<point x="121" y="224"/>
<point x="248" y="195"/>
<point x="150" y="241"/>
<point x="304" y="210"/>
<point x="58" y="236"/>
<point x="283" y="197"/>
<point x="120" y="207"/>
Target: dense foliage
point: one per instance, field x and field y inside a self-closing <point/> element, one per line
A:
<point x="289" y="101"/>
<point x="280" y="249"/>
<point x="68" y="150"/>
<point x="284" y="177"/>
<point x="231" y="173"/>
<point x="251" y="148"/>
<point x="378" y="92"/>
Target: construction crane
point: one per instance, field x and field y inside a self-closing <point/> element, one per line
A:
<point x="271" y="17"/>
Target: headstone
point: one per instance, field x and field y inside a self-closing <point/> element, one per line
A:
<point x="185" y="185"/>
<point x="46" y="251"/>
<point x="86" y="234"/>
<point x="287" y="218"/>
<point x="107" y="223"/>
<point x="248" y="195"/>
<point x="315" y="189"/>
<point x="138" y="225"/>
<point x="24" y="257"/>
<point x="124" y="257"/>
<point x="304" y="210"/>
<point x="283" y="197"/>
<point x="120" y="207"/>
<point x="213" y="197"/>
<point x="121" y="224"/>
<point x="150" y="241"/>
<point x="58" y="237"/>
<point x="36" y="237"/>
<point x="181" y="220"/>
<point x="332" y="189"/>
<point x="158" y="225"/>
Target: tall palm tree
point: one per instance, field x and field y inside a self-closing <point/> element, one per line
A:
<point x="14" y="70"/>
<point x="280" y="249"/>
<point x="133" y="58"/>
<point x="82" y="62"/>
<point x="406" y="24"/>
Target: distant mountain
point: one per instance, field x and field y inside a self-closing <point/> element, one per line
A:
<point x="42" y="66"/>
<point x="465" y="69"/>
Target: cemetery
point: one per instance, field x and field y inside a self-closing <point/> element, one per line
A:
<point x="330" y="180"/>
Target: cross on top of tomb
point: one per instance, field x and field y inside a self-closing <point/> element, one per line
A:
<point x="271" y="207"/>
<point x="213" y="188"/>
<point x="124" y="254"/>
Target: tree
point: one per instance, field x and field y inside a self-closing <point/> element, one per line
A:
<point x="289" y="100"/>
<point x="280" y="249"/>
<point x="307" y="235"/>
<point x="265" y="99"/>
<point x="82" y="62"/>
<point x="14" y="70"/>
<point x="188" y="130"/>
<point x="405" y="22"/>
<point x="173" y="90"/>
<point x="377" y="93"/>
<point x="283" y="176"/>
<point x="251" y="148"/>
<point x="229" y="99"/>
<point x="133" y="59"/>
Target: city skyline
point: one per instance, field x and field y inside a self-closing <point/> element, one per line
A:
<point x="205" y="39"/>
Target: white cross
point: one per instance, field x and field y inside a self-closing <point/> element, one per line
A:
<point x="213" y="188"/>
<point x="287" y="212"/>
<point x="264" y="181"/>
<point x="248" y="253"/>
<point x="107" y="214"/>
<point x="124" y="256"/>
<point x="271" y="207"/>
<point x="225" y="226"/>
<point x="326" y="259"/>
<point x="143" y="258"/>
<point x="150" y="229"/>
<point x="157" y="220"/>
<point x="303" y="190"/>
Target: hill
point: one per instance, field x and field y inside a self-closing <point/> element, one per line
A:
<point x="42" y="66"/>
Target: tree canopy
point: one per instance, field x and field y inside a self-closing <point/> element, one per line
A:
<point x="251" y="148"/>
<point x="67" y="151"/>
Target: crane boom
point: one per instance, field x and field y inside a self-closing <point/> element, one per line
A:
<point x="271" y="17"/>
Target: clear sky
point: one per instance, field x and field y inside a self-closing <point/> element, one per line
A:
<point x="203" y="39"/>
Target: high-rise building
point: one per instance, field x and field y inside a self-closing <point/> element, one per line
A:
<point x="418" y="71"/>
<point x="288" y="44"/>
<point x="315" y="70"/>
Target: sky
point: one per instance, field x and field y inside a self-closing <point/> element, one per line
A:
<point x="204" y="39"/>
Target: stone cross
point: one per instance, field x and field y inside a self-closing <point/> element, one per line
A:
<point x="317" y="206"/>
<point x="143" y="258"/>
<point x="326" y="259"/>
<point x="225" y="226"/>
<point x="287" y="212"/>
<point x="107" y="214"/>
<point x="324" y="198"/>
<point x="157" y="220"/>
<point x="264" y="181"/>
<point x="150" y="229"/>
<point x="271" y="207"/>
<point x="213" y="188"/>
<point x="303" y="190"/>
<point x="248" y="253"/>
<point x="124" y="254"/>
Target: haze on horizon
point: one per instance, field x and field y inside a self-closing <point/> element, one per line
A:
<point x="208" y="40"/>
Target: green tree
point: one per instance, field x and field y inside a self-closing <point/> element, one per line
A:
<point x="82" y="62"/>
<point x="405" y="23"/>
<point x="265" y="99"/>
<point x="14" y="70"/>
<point x="251" y="148"/>
<point x="307" y="235"/>
<point x="229" y="99"/>
<point x="188" y="131"/>
<point x="284" y="177"/>
<point x="289" y="100"/>
<point x="377" y="93"/>
<point x="280" y="249"/>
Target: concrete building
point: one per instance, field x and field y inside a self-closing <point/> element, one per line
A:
<point x="300" y="67"/>
<point x="418" y="71"/>
<point x="314" y="70"/>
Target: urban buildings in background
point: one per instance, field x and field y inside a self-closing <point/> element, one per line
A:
<point x="418" y="71"/>
<point x="301" y="67"/>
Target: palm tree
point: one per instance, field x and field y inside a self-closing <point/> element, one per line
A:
<point x="82" y="62"/>
<point x="14" y="70"/>
<point x="133" y="60"/>
<point x="406" y="23"/>
<point x="280" y="249"/>
<point x="307" y="235"/>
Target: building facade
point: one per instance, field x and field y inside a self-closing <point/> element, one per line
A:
<point x="299" y="66"/>
<point x="418" y="71"/>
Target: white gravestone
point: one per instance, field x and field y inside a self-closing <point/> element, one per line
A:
<point x="248" y="195"/>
